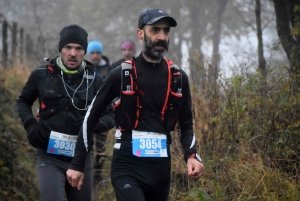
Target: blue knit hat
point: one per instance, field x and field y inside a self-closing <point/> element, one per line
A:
<point x="95" y="46"/>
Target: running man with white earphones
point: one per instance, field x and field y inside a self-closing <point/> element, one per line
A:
<point x="65" y="88"/>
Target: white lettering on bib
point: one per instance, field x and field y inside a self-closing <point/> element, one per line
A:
<point x="61" y="144"/>
<point x="149" y="144"/>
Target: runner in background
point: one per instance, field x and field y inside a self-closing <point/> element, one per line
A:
<point x="128" y="50"/>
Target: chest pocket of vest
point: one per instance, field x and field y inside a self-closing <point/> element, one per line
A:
<point x="173" y="110"/>
<point x="52" y="92"/>
<point x="126" y="107"/>
<point x="175" y="101"/>
<point x="53" y="87"/>
<point x="125" y="116"/>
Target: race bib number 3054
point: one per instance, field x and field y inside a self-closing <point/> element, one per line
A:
<point x="149" y="144"/>
<point x="61" y="144"/>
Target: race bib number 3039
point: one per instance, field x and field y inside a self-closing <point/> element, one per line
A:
<point x="149" y="144"/>
<point x="61" y="144"/>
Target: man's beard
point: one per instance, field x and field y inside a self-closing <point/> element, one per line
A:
<point x="96" y="61"/>
<point x="150" y="51"/>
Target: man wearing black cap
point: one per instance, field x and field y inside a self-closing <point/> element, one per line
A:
<point x="65" y="88"/>
<point x="154" y="96"/>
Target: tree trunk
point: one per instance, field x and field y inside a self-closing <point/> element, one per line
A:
<point x="286" y="21"/>
<point x="28" y="48"/>
<point x="217" y="36"/>
<point x="175" y="48"/>
<point x="4" y="44"/>
<point x="213" y="70"/>
<point x="41" y="39"/>
<point x="283" y="26"/>
<point x="295" y="50"/>
<point x="14" y="42"/>
<point x="197" y="65"/>
<point x="21" y="46"/>
<point x="261" y="58"/>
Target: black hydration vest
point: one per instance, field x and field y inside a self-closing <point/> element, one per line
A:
<point x="54" y="97"/>
<point x="127" y="106"/>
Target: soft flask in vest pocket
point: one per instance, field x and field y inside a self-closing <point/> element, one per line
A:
<point x="175" y="101"/>
<point x="126" y="115"/>
<point x="51" y="94"/>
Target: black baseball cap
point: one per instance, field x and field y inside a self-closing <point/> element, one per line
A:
<point x="152" y="15"/>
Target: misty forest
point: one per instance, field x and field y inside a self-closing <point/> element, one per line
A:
<point x="243" y="62"/>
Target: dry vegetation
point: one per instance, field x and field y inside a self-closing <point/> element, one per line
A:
<point x="17" y="169"/>
<point x="247" y="130"/>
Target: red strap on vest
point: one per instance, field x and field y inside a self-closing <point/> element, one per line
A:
<point x="135" y="87"/>
<point x="168" y="89"/>
<point x="137" y="99"/>
<point x="50" y="69"/>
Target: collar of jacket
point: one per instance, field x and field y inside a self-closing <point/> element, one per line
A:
<point x="89" y="66"/>
<point x="149" y="66"/>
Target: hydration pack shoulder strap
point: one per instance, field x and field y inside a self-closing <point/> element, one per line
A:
<point x="129" y="84"/>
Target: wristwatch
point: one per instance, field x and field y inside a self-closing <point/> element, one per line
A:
<point x="196" y="156"/>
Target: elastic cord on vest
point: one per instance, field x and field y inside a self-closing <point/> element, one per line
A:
<point x="87" y="90"/>
<point x="83" y="89"/>
<point x="168" y="90"/>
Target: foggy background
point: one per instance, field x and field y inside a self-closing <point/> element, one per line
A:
<point x="216" y="31"/>
<point x="243" y="58"/>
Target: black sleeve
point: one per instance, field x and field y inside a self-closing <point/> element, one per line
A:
<point x="109" y="90"/>
<point x="185" y="128"/>
<point x="106" y="121"/>
<point x="28" y="95"/>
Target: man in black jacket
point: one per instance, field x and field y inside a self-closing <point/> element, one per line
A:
<point x="128" y="50"/>
<point x="154" y="95"/>
<point x="65" y="88"/>
<point x="96" y="57"/>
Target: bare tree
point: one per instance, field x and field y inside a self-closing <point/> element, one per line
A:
<point x="287" y="21"/>
<point x="261" y="58"/>
<point x="217" y="34"/>
<point x="41" y="38"/>
<point x="14" y="42"/>
<point x="4" y="43"/>
<point x="21" y="46"/>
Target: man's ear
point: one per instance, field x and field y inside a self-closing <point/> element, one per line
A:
<point x="140" y="34"/>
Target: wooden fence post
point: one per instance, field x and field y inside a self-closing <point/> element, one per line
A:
<point x="21" y="42"/>
<point x="4" y="44"/>
<point x="14" y="42"/>
<point x="28" y="48"/>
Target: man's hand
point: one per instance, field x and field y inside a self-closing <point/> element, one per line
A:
<point x="75" y="178"/>
<point x="195" y="168"/>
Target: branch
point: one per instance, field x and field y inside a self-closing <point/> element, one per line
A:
<point x="35" y="4"/>
<point x="269" y="21"/>
<point x="245" y="21"/>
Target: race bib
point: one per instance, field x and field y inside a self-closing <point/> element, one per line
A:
<point x="61" y="144"/>
<point x="149" y="144"/>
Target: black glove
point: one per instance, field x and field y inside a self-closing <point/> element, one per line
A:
<point x="36" y="136"/>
